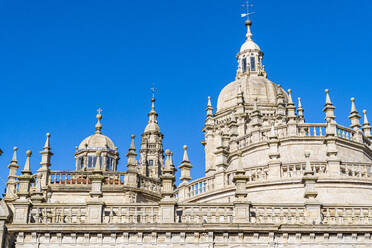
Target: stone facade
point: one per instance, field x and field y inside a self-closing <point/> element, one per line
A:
<point x="272" y="180"/>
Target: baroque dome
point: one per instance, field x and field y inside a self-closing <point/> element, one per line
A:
<point x="97" y="141"/>
<point x="252" y="87"/>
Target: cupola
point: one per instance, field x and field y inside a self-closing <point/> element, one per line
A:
<point x="86" y="152"/>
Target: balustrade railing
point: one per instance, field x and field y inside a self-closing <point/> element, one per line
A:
<point x="57" y="214"/>
<point x="356" y="169"/>
<point x="293" y="170"/>
<point x="270" y="214"/>
<point x="69" y="177"/>
<point x="114" y="178"/>
<point x="333" y="215"/>
<point x="259" y="173"/>
<point x="200" y="186"/>
<point x="345" y="133"/>
<point x="131" y="214"/>
<point x="205" y="213"/>
<point x="312" y="129"/>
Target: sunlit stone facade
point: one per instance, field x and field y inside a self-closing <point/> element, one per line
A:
<point x="271" y="180"/>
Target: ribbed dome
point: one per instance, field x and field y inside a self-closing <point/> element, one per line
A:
<point x="252" y="87"/>
<point x="97" y="141"/>
<point x="249" y="45"/>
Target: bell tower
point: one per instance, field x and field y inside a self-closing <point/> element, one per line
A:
<point x="151" y="152"/>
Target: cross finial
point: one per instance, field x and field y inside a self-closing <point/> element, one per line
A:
<point x="99" y="110"/>
<point x="247" y="14"/>
<point x="153" y="91"/>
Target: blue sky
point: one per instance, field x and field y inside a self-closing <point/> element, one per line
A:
<point x="61" y="60"/>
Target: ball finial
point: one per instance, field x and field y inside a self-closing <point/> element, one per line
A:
<point x="167" y="152"/>
<point x="185" y="147"/>
<point x="364" y="111"/>
<point x="352" y="99"/>
<point x="248" y="23"/>
<point x="327" y="91"/>
<point x="48" y="135"/>
<point x="29" y="153"/>
<point x="15" y="148"/>
<point x="132" y="136"/>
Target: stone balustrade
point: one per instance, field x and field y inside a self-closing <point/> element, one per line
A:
<point x="345" y="133"/>
<point x="296" y="170"/>
<point x="205" y="213"/>
<point x="356" y="170"/>
<point x="197" y="213"/>
<point x="257" y="174"/>
<point x="312" y="129"/>
<point x="347" y="215"/>
<point x="131" y="214"/>
<point x="58" y="214"/>
<point x="69" y="177"/>
<point x="273" y="214"/>
<point x="200" y="186"/>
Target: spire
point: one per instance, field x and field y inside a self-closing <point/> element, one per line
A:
<point x="209" y="108"/>
<point x="99" y="125"/>
<point x="300" y="111"/>
<point x="26" y="169"/>
<point x="354" y="116"/>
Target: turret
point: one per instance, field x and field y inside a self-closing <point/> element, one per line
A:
<point x="151" y="153"/>
<point x="366" y="126"/>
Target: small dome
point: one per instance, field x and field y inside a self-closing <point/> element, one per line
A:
<point x="249" y="45"/>
<point x="97" y="141"/>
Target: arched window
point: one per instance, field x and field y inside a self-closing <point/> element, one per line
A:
<point x="244" y="65"/>
<point x="253" y="64"/>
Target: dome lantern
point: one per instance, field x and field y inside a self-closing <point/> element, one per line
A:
<point x="86" y="153"/>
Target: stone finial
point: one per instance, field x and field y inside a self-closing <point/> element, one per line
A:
<point x="27" y="164"/>
<point x="132" y="146"/>
<point x="328" y="99"/>
<point x="98" y="161"/>
<point x="329" y="109"/>
<point x="14" y="158"/>
<point x="366" y="126"/>
<point x="290" y="101"/>
<point x="300" y="111"/>
<point x="167" y="160"/>
<point x="47" y="142"/>
<point x="99" y="125"/>
<point x="209" y="108"/>
<point x="354" y="116"/>
<point x="185" y="155"/>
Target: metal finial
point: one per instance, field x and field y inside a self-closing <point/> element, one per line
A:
<point x="247" y="13"/>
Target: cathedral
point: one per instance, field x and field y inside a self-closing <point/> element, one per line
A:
<point x="271" y="180"/>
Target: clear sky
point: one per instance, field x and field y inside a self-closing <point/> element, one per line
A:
<point x="61" y="60"/>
